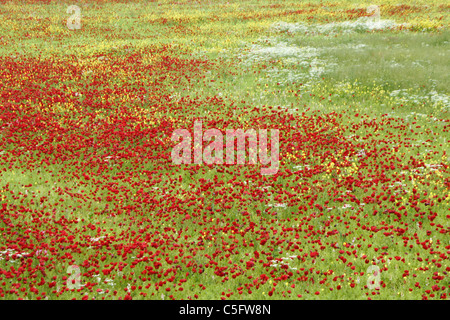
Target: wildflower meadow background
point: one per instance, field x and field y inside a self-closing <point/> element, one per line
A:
<point x="92" y="207"/>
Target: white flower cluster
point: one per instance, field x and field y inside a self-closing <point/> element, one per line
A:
<point x="280" y="260"/>
<point x="305" y="62"/>
<point x="281" y="50"/>
<point x="362" y="24"/>
<point x="435" y="98"/>
<point x="11" y="252"/>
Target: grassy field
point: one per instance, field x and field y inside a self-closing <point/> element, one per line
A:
<point x="92" y="206"/>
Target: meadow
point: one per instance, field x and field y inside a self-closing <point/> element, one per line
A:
<point x="92" y="206"/>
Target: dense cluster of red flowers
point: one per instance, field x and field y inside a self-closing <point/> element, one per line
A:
<point x="86" y="179"/>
